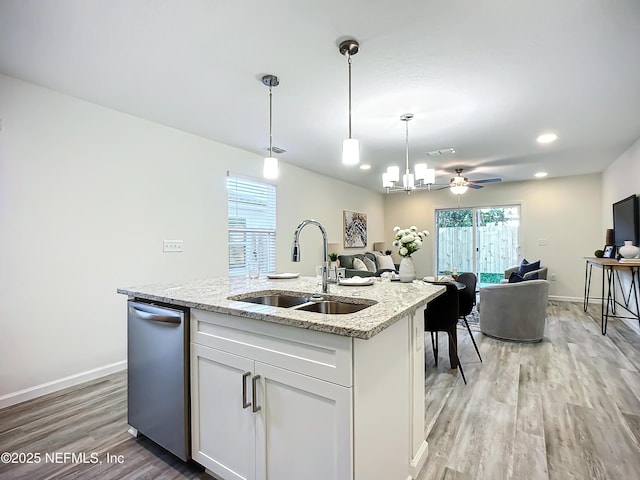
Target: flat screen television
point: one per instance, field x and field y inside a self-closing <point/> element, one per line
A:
<point x="625" y="220"/>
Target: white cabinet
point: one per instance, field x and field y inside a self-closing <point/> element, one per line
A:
<point x="303" y="429"/>
<point x="223" y="432"/>
<point x="328" y="406"/>
<point x="257" y="420"/>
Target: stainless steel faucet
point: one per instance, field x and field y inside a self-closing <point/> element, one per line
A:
<point x="295" y="251"/>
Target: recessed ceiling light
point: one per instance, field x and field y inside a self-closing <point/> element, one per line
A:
<point x="547" y="138"/>
<point x="365" y="166"/>
<point x="541" y="174"/>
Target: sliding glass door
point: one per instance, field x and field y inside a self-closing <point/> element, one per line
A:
<point x="480" y="240"/>
<point x="455" y="241"/>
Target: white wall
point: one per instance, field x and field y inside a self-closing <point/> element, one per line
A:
<point x="566" y="211"/>
<point x="87" y="196"/>
<point x="620" y="180"/>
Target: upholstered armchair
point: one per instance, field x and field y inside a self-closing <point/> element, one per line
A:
<point x="514" y="311"/>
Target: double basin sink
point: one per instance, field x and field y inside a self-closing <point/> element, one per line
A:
<point x="306" y="303"/>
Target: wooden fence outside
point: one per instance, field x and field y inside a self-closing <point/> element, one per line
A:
<point x="498" y="246"/>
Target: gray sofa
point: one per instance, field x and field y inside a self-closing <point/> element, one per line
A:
<point x="514" y="311"/>
<point x="346" y="262"/>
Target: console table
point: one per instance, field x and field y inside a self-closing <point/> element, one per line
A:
<point x="610" y="272"/>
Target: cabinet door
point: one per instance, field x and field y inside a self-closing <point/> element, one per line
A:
<point x="223" y="432"/>
<point x="303" y="429"/>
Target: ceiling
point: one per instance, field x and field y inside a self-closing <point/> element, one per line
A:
<point x="485" y="77"/>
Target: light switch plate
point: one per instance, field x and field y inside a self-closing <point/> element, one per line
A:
<point x="172" y="246"/>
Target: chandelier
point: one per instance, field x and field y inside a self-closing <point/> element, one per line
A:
<point x="423" y="177"/>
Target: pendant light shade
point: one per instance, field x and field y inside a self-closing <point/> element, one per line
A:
<point x="270" y="169"/>
<point x="351" y="151"/>
<point x="394" y="173"/>
<point x="351" y="146"/>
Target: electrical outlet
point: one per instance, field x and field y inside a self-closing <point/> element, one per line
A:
<point x="172" y="246"/>
<point x="542" y="242"/>
<point x="552" y="277"/>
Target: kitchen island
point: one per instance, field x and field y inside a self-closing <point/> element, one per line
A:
<point x="284" y="393"/>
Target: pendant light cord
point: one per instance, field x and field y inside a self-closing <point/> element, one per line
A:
<point x="407" y="147"/>
<point x="349" y="61"/>
<point x="270" y="123"/>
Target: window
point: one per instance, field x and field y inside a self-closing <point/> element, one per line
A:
<point x="252" y="225"/>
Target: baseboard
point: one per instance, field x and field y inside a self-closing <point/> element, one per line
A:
<point x="59" y="384"/>
<point x="558" y="298"/>
<point x="419" y="460"/>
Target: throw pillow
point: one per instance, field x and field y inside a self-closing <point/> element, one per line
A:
<point x="371" y="265"/>
<point x="515" y="278"/>
<point x="385" y="262"/>
<point x="526" y="267"/>
<point x="359" y="265"/>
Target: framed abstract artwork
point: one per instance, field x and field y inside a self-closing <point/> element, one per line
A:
<point x="355" y="229"/>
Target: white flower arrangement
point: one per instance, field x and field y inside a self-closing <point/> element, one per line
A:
<point x="408" y="240"/>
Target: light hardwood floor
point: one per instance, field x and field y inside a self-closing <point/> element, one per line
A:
<point x="565" y="408"/>
<point x="568" y="407"/>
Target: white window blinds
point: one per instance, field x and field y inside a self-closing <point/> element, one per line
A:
<point x="252" y="225"/>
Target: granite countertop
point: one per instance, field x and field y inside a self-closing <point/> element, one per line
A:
<point x="394" y="301"/>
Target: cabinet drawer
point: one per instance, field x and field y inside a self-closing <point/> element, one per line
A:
<point x="317" y="354"/>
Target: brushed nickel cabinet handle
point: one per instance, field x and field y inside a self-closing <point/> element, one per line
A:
<point x="254" y="389"/>
<point x="245" y="404"/>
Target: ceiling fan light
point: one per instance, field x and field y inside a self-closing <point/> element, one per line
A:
<point x="394" y="173"/>
<point x="459" y="189"/>
<point x="351" y="151"/>
<point x="270" y="168"/>
<point x="421" y="171"/>
<point x="430" y="176"/>
<point x="458" y="184"/>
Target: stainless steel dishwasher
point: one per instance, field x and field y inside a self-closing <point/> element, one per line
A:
<point x="158" y="375"/>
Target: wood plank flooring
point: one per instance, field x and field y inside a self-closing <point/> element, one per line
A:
<point x="566" y="408"/>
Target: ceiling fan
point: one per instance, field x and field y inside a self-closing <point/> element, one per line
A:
<point x="460" y="184"/>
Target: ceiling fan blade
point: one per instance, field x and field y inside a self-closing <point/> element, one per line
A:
<point x="473" y="185"/>
<point x="487" y="180"/>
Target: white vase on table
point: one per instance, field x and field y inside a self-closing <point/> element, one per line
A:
<point x="628" y="250"/>
<point x="407" y="270"/>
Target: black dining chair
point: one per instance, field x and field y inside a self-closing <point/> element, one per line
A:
<point x="441" y="315"/>
<point x="466" y="301"/>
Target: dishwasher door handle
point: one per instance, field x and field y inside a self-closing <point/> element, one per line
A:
<point x="155" y="317"/>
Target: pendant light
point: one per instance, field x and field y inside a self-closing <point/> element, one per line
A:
<point x="350" y="146"/>
<point x="270" y="169"/>
<point x="423" y="177"/>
